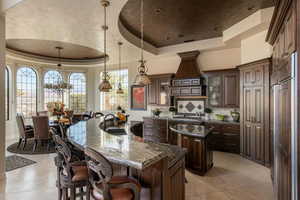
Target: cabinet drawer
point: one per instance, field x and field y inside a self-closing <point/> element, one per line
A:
<point x="195" y="82"/>
<point x="185" y="91"/>
<point x="175" y="91"/>
<point x="196" y="91"/>
<point x="232" y="129"/>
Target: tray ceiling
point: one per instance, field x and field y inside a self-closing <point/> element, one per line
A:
<point x="46" y="48"/>
<point x="171" y="22"/>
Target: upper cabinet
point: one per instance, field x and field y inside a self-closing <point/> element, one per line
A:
<point x="215" y="93"/>
<point x="159" y="90"/>
<point x="282" y="35"/>
<point x="223" y="88"/>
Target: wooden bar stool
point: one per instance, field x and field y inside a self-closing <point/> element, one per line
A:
<point x="72" y="174"/>
<point x="105" y="186"/>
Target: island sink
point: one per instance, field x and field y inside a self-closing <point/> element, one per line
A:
<point x="115" y="131"/>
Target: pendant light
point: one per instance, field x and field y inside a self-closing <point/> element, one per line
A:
<point x="142" y="77"/>
<point x="120" y="89"/>
<point x="105" y="85"/>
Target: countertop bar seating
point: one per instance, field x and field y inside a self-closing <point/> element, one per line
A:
<point x="154" y="165"/>
<point x="150" y="99"/>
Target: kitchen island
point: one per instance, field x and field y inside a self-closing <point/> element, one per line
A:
<point x="195" y="138"/>
<point x="158" y="167"/>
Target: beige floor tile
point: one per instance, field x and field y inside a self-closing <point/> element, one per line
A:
<point x="232" y="178"/>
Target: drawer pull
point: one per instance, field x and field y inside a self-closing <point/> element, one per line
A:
<point x="230" y="134"/>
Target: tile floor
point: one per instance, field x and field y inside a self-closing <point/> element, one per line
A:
<point x="232" y="178"/>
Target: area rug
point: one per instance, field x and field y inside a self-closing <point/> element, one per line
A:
<point x="40" y="149"/>
<point x="15" y="162"/>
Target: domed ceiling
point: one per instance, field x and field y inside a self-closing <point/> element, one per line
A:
<point x="46" y="48"/>
<point x="170" y="22"/>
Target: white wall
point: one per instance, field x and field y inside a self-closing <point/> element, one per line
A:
<point x="255" y="48"/>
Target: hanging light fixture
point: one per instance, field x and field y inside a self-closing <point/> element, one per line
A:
<point x="105" y="85"/>
<point x="142" y="77"/>
<point x="120" y="89"/>
<point x="59" y="86"/>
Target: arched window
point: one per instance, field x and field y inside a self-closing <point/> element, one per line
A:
<point x="77" y="98"/>
<point x="111" y="100"/>
<point x="7" y="80"/>
<point x="26" y="91"/>
<point x="50" y="95"/>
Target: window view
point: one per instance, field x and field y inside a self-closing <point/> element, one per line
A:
<point x="6" y="93"/>
<point x="111" y="100"/>
<point x="77" y="98"/>
<point x="26" y="91"/>
<point x="50" y="95"/>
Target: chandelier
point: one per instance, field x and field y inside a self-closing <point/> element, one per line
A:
<point x="120" y="89"/>
<point x="105" y="85"/>
<point x="59" y="85"/>
<point x="142" y="77"/>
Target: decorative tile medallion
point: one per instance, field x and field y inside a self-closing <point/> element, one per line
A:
<point x="190" y="106"/>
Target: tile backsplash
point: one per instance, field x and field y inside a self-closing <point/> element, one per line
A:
<point x="223" y="111"/>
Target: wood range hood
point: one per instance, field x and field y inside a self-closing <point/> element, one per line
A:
<point x="188" y="81"/>
<point x="188" y="67"/>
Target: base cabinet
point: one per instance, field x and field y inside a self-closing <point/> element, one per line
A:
<point x="225" y="137"/>
<point x="199" y="158"/>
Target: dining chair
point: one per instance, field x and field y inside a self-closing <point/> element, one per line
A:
<point x="42" y="113"/>
<point x="72" y="173"/>
<point x="103" y="185"/>
<point x="41" y="131"/>
<point x="69" y="115"/>
<point x="87" y="115"/>
<point x="25" y="132"/>
<point x="98" y="114"/>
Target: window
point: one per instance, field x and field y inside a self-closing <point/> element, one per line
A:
<point x="111" y="100"/>
<point x="77" y="98"/>
<point x="50" y="95"/>
<point x="26" y="91"/>
<point x="6" y="93"/>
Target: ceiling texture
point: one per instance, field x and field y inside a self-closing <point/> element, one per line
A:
<point x="46" y="48"/>
<point x="37" y="26"/>
<point x="171" y="22"/>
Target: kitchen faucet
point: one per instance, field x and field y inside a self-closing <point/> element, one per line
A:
<point x="104" y="123"/>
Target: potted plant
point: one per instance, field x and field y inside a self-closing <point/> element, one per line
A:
<point x="156" y="112"/>
<point x="208" y="112"/>
<point x="172" y="110"/>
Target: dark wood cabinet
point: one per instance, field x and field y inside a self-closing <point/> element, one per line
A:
<point x="159" y="90"/>
<point x="188" y="87"/>
<point x="155" y="130"/>
<point x="199" y="158"/>
<point x="225" y="137"/>
<point x="223" y="88"/>
<point x="255" y="136"/>
<point x="283" y="35"/>
<point x="284" y="46"/>
<point x="283" y="143"/>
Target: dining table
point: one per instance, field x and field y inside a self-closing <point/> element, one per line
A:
<point x="160" y="168"/>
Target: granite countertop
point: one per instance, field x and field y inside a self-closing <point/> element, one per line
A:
<point x="198" y="131"/>
<point x="194" y="120"/>
<point x="121" y="149"/>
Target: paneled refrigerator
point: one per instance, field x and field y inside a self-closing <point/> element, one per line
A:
<point x="285" y="118"/>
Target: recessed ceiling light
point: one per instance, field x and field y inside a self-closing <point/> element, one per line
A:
<point x="251" y="8"/>
<point x="186" y="41"/>
<point x="157" y="10"/>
